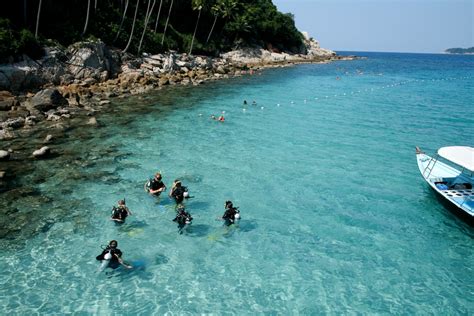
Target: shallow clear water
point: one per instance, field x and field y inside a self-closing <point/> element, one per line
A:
<point x="335" y="215"/>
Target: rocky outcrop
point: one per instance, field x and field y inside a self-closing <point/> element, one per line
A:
<point x="258" y="56"/>
<point x="313" y="48"/>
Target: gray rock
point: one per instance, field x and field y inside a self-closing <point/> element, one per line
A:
<point x="4" y="155"/>
<point x="48" y="138"/>
<point x="42" y="152"/>
<point x="14" y="123"/>
<point x="92" y="121"/>
<point x="45" y="100"/>
<point x="7" y="104"/>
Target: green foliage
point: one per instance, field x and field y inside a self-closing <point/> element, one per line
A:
<point x="15" y="43"/>
<point x="238" y="23"/>
<point x="469" y="50"/>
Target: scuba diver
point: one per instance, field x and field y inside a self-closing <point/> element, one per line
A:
<point x="120" y="212"/>
<point x="183" y="218"/>
<point x="112" y="257"/>
<point x="231" y="213"/>
<point x="178" y="192"/>
<point x="155" y="186"/>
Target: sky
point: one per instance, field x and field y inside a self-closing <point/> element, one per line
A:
<point x="422" y="26"/>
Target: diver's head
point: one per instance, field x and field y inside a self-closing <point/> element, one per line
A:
<point x="113" y="244"/>
<point x="228" y="204"/>
<point x="158" y="176"/>
<point x="121" y="202"/>
<point x="177" y="183"/>
<point x="181" y="209"/>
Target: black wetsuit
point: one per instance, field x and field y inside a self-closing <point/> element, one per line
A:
<point x="181" y="218"/>
<point x="178" y="194"/>
<point x="156" y="184"/>
<point x="119" y="213"/>
<point x="113" y="262"/>
<point x="229" y="215"/>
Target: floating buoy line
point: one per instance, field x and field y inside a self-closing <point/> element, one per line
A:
<point x="326" y="97"/>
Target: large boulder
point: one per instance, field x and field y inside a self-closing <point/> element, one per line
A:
<point x="92" y="60"/>
<point x="21" y="75"/>
<point x="45" y="100"/>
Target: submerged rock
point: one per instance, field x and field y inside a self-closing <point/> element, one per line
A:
<point x="4" y="155"/>
<point x="42" y="152"/>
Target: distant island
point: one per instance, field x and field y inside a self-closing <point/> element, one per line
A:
<point x="469" y="50"/>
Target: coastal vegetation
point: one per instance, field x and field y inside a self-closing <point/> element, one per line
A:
<point x="469" y="50"/>
<point x="206" y="27"/>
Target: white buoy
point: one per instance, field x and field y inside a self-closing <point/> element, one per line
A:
<point x="262" y="107"/>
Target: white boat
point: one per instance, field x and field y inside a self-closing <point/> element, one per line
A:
<point x="451" y="174"/>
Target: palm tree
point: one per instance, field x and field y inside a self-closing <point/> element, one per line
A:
<point x="123" y="19"/>
<point x="37" y="19"/>
<point x="158" y="16"/>
<point x="133" y="27"/>
<point x="166" y="24"/>
<point x="147" y="18"/>
<point x="225" y="8"/>
<point x="197" y="4"/>
<point x="87" y="17"/>
<point x="215" y="9"/>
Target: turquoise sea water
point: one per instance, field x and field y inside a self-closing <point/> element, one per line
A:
<point x="335" y="215"/>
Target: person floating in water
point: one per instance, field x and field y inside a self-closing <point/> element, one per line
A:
<point x="231" y="213"/>
<point x="112" y="256"/>
<point x="220" y="118"/>
<point x="183" y="218"/>
<point x="120" y="212"/>
<point x="178" y="192"/>
<point x="155" y="186"/>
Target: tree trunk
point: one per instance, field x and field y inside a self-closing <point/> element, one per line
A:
<point x="147" y="18"/>
<point x="87" y="17"/>
<point x="158" y="16"/>
<point x="25" y="19"/>
<point x="123" y="19"/>
<point x="166" y="24"/>
<point x="133" y="27"/>
<point x="195" y="29"/>
<point x="37" y="19"/>
<point x="212" y="28"/>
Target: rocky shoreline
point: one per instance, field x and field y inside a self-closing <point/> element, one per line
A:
<point x="86" y="76"/>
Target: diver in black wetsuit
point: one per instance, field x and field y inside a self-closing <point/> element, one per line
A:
<point x="182" y="218"/>
<point x="231" y="213"/>
<point x="178" y="192"/>
<point x="113" y="255"/>
<point x="120" y="212"/>
<point x="155" y="185"/>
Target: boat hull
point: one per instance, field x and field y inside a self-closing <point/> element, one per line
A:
<point x="451" y="185"/>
